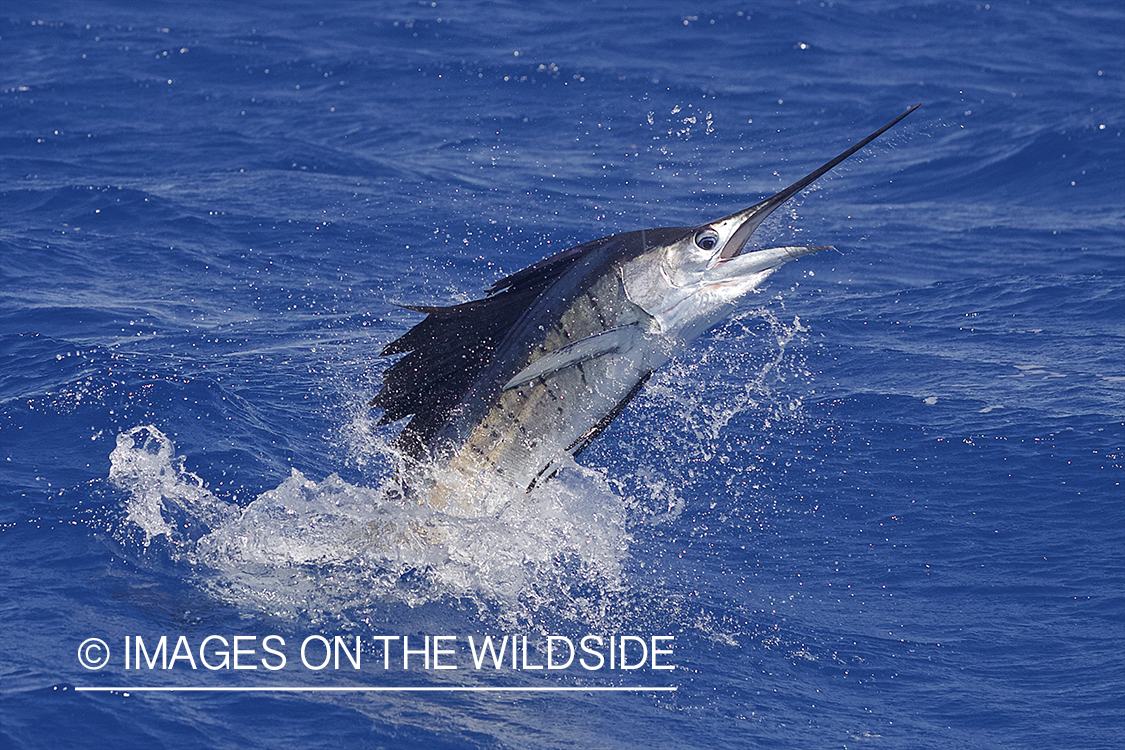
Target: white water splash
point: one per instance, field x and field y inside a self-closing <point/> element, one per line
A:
<point x="163" y="493"/>
<point x="306" y="547"/>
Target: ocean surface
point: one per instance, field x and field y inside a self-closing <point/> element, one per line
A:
<point x="879" y="507"/>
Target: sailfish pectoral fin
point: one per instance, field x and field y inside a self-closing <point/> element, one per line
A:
<point x="607" y="342"/>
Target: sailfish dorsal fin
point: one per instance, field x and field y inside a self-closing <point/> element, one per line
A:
<point x="447" y="350"/>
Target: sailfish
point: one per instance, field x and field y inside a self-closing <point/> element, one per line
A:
<point x="503" y="390"/>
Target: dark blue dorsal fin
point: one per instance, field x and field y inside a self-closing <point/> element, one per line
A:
<point x="447" y="351"/>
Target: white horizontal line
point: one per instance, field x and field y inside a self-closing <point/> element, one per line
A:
<point x="562" y="689"/>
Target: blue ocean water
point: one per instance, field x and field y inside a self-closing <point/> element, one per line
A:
<point x="879" y="507"/>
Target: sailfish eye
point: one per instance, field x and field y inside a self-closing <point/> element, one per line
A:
<point x="706" y="239"/>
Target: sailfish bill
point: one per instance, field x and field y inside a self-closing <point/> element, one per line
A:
<point x="501" y="390"/>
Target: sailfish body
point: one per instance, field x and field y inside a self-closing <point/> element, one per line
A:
<point x="504" y="388"/>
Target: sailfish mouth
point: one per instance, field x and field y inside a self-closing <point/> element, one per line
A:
<point x="751" y="218"/>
